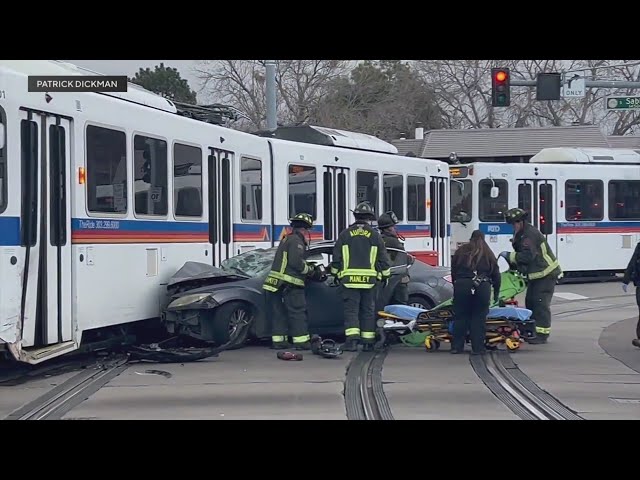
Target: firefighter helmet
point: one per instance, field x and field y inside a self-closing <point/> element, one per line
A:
<point x="364" y="210"/>
<point x="303" y="220"/>
<point x="515" y="215"/>
<point x="387" y="219"/>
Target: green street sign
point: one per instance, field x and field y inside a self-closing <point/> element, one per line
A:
<point x="623" y="103"/>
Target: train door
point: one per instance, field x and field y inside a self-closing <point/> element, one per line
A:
<point x="220" y="208"/>
<point x="45" y="223"/>
<point x="336" y="205"/>
<point x="538" y="197"/>
<point x="438" y="218"/>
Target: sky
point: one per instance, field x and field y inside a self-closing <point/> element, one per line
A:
<point x="130" y="67"/>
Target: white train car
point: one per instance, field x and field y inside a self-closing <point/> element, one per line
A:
<point x="104" y="196"/>
<point x="585" y="200"/>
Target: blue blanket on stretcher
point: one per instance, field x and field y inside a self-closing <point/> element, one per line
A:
<point x="407" y="312"/>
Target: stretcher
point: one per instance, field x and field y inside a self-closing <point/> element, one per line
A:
<point x="506" y="323"/>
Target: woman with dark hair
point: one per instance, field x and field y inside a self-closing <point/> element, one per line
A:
<point x="474" y="270"/>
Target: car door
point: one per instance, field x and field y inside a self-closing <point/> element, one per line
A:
<point x="324" y="304"/>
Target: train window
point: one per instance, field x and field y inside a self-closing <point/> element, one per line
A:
<point x="624" y="200"/>
<point x="150" y="175"/>
<point x="416" y="199"/>
<point x="367" y="188"/>
<point x="187" y="181"/>
<point x="584" y="200"/>
<point x="461" y="200"/>
<point x="302" y="190"/>
<point x="3" y="161"/>
<point x="492" y="209"/>
<point x="393" y="187"/>
<point x="106" y="170"/>
<point x="251" y="188"/>
<point x="525" y="195"/>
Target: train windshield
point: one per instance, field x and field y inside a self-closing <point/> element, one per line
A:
<point x="461" y="200"/>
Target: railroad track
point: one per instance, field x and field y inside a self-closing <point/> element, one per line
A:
<point x="57" y="402"/>
<point x="364" y="393"/>
<point x="516" y="390"/>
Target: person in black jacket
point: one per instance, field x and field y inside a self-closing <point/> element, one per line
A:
<point x="632" y="274"/>
<point x="474" y="271"/>
<point x="360" y="262"/>
<point x="392" y="239"/>
<point x="285" y="284"/>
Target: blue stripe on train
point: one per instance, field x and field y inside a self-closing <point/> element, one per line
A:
<point x="9" y="231"/>
<point x="137" y="225"/>
<point x="568" y="227"/>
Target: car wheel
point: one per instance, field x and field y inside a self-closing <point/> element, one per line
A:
<point x="232" y="323"/>
<point x="420" y="302"/>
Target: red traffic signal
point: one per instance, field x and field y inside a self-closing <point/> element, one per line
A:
<point x="500" y="87"/>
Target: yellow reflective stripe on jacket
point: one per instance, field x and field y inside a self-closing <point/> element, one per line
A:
<point x="512" y="257"/>
<point x="364" y="272"/>
<point x="277" y="338"/>
<point x="286" y="278"/>
<point x="269" y="288"/>
<point x="359" y="285"/>
<point x="352" y="331"/>
<point x="368" y="335"/>
<point x="543" y="331"/>
<point x="551" y="264"/>
<point x="301" y="339"/>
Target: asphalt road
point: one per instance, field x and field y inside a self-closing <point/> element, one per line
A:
<point x="589" y="365"/>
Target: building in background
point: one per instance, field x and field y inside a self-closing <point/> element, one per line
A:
<point x="506" y="144"/>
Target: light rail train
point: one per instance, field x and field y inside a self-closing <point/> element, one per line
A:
<point x="586" y="201"/>
<point x="104" y="196"/>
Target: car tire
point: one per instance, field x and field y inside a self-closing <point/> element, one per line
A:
<point x="231" y="324"/>
<point x="421" y="302"/>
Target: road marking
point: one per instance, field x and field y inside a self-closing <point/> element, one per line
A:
<point x="570" y="296"/>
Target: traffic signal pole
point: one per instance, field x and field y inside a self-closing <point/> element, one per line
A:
<point x="588" y="83"/>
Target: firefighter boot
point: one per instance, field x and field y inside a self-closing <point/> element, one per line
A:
<point x="539" y="339"/>
<point x="367" y="347"/>
<point x="303" y="346"/>
<point x="636" y="342"/>
<point x="280" y="345"/>
<point x="351" y="344"/>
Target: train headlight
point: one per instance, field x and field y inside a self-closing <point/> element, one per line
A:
<point x="190" y="301"/>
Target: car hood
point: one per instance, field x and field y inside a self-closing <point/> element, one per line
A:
<point x="203" y="273"/>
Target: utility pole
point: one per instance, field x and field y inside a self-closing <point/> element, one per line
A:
<point x="272" y="120"/>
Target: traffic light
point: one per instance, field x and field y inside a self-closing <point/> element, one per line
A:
<point x="500" y="87"/>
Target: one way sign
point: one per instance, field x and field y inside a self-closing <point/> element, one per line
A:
<point x="573" y="85"/>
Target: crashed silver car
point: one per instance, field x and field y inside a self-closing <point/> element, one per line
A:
<point x="226" y="305"/>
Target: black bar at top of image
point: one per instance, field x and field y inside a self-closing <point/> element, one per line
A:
<point x="77" y="83"/>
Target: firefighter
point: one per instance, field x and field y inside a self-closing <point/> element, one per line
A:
<point x="392" y="239"/>
<point x="360" y="262"/>
<point x="533" y="257"/>
<point x="285" y="292"/>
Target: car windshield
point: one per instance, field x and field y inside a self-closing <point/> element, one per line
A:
<point x="252" y="264"/>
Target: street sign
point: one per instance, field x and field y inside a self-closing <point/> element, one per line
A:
<point x="623" y="103"/>
<point x="573" y="85"/>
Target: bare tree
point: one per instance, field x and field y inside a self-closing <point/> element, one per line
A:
<point x="301" y="85"/>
